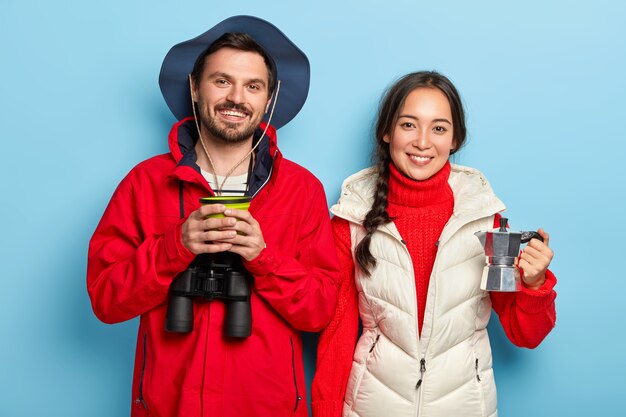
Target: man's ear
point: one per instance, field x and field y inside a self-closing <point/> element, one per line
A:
<point x="192" y="89"/>
<point x="269" y="101"/>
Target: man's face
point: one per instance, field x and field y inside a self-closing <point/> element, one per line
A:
<point x="232" y="94"/>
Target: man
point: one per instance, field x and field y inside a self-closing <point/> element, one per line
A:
<point x="155" y="232"/>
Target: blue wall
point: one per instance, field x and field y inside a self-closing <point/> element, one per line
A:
<point x="543" y="84"/>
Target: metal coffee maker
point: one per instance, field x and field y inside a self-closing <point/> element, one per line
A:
<point x="502" y="249"/>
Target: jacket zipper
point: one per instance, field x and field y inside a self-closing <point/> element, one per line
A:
<point x="140" y="399"/>
<point x="422" y="371"/>
<point x="295" y="380"/>
<point x="423" y="344"/>
<point x="206" y="354"/>
<point x="420" y="341"/>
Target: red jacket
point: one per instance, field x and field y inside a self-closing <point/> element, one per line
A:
<point x="136" y="251"/>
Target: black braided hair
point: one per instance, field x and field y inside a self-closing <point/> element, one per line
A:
<point x="377" y="216"/>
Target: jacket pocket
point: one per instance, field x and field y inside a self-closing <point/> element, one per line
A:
<point x="476" y="370"/>
<point x="295" y="377"/>
<point x="479" y="385"/>
<point x="140" y="400"/>
<point x="485" y="384"/>
<point x="359" y="367"/>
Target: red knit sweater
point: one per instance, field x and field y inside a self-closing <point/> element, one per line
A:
<point x="420" y="210"/>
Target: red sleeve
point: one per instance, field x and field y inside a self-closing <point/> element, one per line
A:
<point x="129" y="273"/>
<point x="529" y="315"/>
<point x="336" y="344"/>
<point x="301" y="288"/>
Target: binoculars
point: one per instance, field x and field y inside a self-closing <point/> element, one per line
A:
<point x="212" y="276"/>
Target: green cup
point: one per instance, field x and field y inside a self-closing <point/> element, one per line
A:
<point x="233" y="202"/>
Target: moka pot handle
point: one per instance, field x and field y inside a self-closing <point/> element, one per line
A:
<point x="526" y="236"/>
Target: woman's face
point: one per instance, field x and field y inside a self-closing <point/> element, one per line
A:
<point x="422" y="138"/>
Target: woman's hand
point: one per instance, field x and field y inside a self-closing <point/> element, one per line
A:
<point x="534" y="261"/>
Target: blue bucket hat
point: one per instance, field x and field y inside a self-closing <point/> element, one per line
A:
<point x="292" y="67"/>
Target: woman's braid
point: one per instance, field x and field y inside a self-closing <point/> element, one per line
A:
<point x="377" y="216"/>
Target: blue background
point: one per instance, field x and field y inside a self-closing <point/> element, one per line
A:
<point x="543" y="85"/>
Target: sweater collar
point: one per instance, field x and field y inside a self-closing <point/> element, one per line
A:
<point x="409" y="192"/>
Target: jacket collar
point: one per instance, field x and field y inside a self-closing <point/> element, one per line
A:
<point x="183" y="137"/>
<point x="473" y="197"/>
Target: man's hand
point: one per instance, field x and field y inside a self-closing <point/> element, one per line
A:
<point x="209" y="235"/>
<point x="534" y="261"/>
<point x="248" y="242"/>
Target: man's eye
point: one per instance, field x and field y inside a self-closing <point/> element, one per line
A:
<point x="253" y="87"/>
<point x="221" y="81"/>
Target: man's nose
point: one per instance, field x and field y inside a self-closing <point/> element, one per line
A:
<point x="235" y="94"/>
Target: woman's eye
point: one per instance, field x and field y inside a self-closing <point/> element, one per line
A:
<point x="440" y="129"/>
<point x="407" y="125"/>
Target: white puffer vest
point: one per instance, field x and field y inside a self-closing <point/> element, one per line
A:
<point x="447" y="371"/>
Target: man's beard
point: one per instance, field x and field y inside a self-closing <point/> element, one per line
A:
<point x="229" y="132"/>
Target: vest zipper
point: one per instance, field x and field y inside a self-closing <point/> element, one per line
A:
<point x="421" y="342"/>
<point x="295" y="380"/>
<point x="422" y="371"/>
<point x="140" y="399"/>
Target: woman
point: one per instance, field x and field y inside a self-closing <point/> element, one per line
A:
<point x="411" y="268"/>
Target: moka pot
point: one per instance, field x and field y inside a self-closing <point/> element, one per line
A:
<point x="502" y="248"/>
